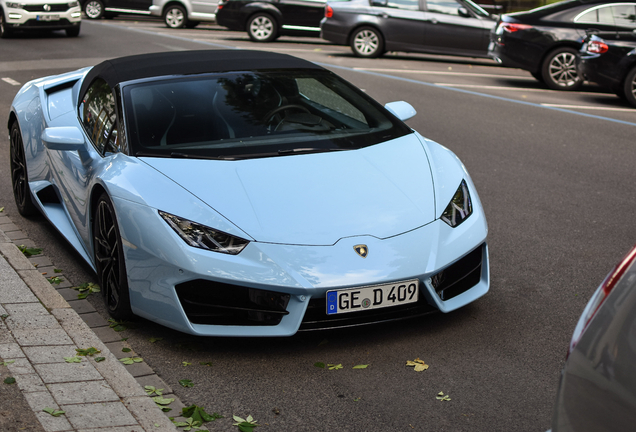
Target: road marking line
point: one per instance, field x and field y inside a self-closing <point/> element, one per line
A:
<point x="510" y="88"/>
<point x="632" y="110"/>
<point x="445" y="73"/>
<point x="11" y="81"/>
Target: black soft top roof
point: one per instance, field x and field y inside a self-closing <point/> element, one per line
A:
<point x="129" y="68"/>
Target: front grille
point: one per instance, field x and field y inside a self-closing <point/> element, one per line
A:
<point x="316" y="316"/>
<point x="213" y="303"/>
<point x="40" y="7"/>
<point x="460" y="276"/>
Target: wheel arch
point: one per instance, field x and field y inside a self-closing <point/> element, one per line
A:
<point x="12" y="119"/>
<point x="252" y="9"/>
<point x="177" y="3"/>
<point x="359" y="25"/>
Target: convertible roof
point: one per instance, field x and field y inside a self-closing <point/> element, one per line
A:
<point x="129" y="68"/>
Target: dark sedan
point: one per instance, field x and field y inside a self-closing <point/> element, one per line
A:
<point x="265" y="20"/>
<point x="611" y="64"/>
<point x="372" y="27"/>
<point x="544" y="41"/>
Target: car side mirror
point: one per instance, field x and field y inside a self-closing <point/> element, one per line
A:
<point x="463" y="12"/>
<point x="402" y="110"/>
<point x="67" y="138"/>
<point x="380" y="3"/>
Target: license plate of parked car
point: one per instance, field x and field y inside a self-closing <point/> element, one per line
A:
<point x="48" y="17"/>
<point x="372" y="297"/>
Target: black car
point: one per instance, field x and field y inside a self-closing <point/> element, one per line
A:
<point x="95" y="9"/>
<point x="372" y="27"/>
<point x="266" y="20"/>
<point x="611" y="64"/>
<point x="544" y="41"/>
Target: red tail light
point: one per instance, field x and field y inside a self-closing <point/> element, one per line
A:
<point x="328" y="11"/>
<point x="514" y="27"/>
<point x="597" y="47"/>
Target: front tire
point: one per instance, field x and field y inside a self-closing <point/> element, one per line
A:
<point x="559" y="70"/>
<point x="19" y="173"/>
<point x="262" y="28"/>
<point x="94" y="9"/>
<point x="5" y="31"/>
<point x="367" y="42"/>
<point x="175" y="17"/>
<point x="629" y="87"/>
<point x="109" y="260"/>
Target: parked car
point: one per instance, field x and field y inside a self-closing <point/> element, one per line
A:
<point x="184" y="13"/>
<point x="266" y="20"/>
<point x="38" y="15"/>
<point x="372" y="27"/>
<point x="597" y="389"/>
<point x="96" y="9"/>
<point x="610" y="63"/>
<point x="544" y="41"/>
<point x="247" y="193"/>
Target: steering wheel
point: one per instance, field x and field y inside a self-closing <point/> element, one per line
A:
<point x="282" y="108"/>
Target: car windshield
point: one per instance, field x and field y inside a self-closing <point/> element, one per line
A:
<point x="253" y="114"/>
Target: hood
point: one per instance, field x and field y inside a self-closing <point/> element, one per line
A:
<point x="315" y="199"/>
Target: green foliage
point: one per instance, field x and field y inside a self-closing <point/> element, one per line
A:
<point x="131" y="360"/>
<point x="117" y="325"/>
<point x="334" y="366"/>
<point x="53" y="412"/>
<point x="186" y="383"/>
<point x="8" y="362"/>
<point x="152" y="389"/>
<point x="320" y="365"/>
<point x="185" y="363"/>
<point x="245" y="425"/>
<point x="361" y="366"/>
<point x="29" y="251"/>
<point x="100" y="359"/>
<point x="205" y="363"/>
<point x="198" y="414"/>
<point x="87" y="351"/>
<point x="441" y="397"/>
<point x="57" y="271"/>
<point x="85" y="289"/>
<point x="155" y="339"/>
<point x="160" y="400"/>
<point x="190" y="424"/>
<point x="55" y="280"/>
<point x="74" y="359"/>
<point x="126" y="350"/>
<point x="9" y="380"/>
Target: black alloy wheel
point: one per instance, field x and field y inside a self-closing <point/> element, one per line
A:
<point x="367" y="42"/>
<point x="109" y="260"/>
<point x="629" y="87"/>
<point x="262" y="28"/>
<point x="19" y="174"/>
<point x="94" y="9"/>
<point x="559" y="70"/>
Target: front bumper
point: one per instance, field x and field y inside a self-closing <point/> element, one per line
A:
<point x="285" y="285"/>
<point x="40" y="19"/>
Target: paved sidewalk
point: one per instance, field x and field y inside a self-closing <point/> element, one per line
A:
<point x="38" y="328"/>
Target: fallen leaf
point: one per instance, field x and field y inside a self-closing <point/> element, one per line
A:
<point x="205" y="363"/>
<point x="198" y="413"/>
<point x="320" y="365"/>
<point x="419" y="364"/>
<point x="160" y="400"/>
<point x="131" y="360"/>
<point x="361" y="366"/>
<point x="74" y="359"/>
<point x="126" y="350"/>
<point x="441" y="397"/>
<point x="9" y="380"/>
<point x="186" y="383"/>
<point x="185" y="364"/>
<point x="100" y="359"/>
<point x="87" y="351"/>
<point x="151" y="389"/>
<point x="334" y="366"/>
<point x="155" y="339"/>
<point x="53" y="411"/>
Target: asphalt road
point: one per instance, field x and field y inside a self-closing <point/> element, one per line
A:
<point x="555" y="172"/>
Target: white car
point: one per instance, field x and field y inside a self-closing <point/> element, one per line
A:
<point x="40" y="15"/>
<point x="184" y="13"/>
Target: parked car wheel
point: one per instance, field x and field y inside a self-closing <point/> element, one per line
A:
<point x="559" y="70"/>
<point x="367" y="42"/>
<point x="175" y="16"/>
<point x="73" y="32"/>
<point x="262" y="28"/>
<point x="629" y="87"/>
<point x="5" y="32"/>
<point x="19" y="174"/>
<point x="94" y="9"/>
<point x="109" y="260"/>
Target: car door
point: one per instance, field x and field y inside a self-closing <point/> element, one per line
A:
<point x="204" y="6"/>
<point x="401" y="22"/>
<point x="301" y="14"/>
<point x="126" y="5"/>
<point x="453" y="28"/>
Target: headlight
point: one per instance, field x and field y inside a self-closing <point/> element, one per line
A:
<point x="73" y="4"/>
<point x="14" y="5"/>
<point x="459" y="208"/>
<point x="200" y="236"/>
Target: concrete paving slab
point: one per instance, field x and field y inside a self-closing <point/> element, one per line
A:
<point x="93" y="319"/>
<point x="31" y="322"/>
<point x="30" y="383"/>
<point x="82" y="392"/>
<point x="107" y="334"/>
<point x="144" y="409"/>
<point x="49" y="354"/>
<point x="116" y="429"/>
<point x="67" y="372"/>
<point x="118" y="378"/>
<point x="20" y="366"/>
<point x="5" y="336"/>
<point x="41" y="288"/>
<point x="40" y="261"/>
<point x="14" y="257"/>
<point x="81" y="306"/>
<point x="106" y="414"/>
<point x="42" y="337"/>
<point x="40" y="400"/>
<point x="10" y="351"/>
<point x="16" y="235"/>
<point x="68" y="294"/>
<point x="8" y="226"/>
<point x="139" y="369"/>
<point x="27" y="309"/>
<point x="117" y="347"/>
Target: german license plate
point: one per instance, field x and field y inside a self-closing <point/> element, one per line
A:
<point x="372" y="297"/>
<point x="48" y="18"/>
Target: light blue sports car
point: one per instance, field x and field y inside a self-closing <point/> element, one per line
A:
<point x="246" y="193"/>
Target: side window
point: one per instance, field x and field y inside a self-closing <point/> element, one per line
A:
<point x="600" y="15"/>
<point x="625" y="15"/>
<point x="404" y="4"/>
<point x="448" y="7"/>
<point x="98" y="116"/>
